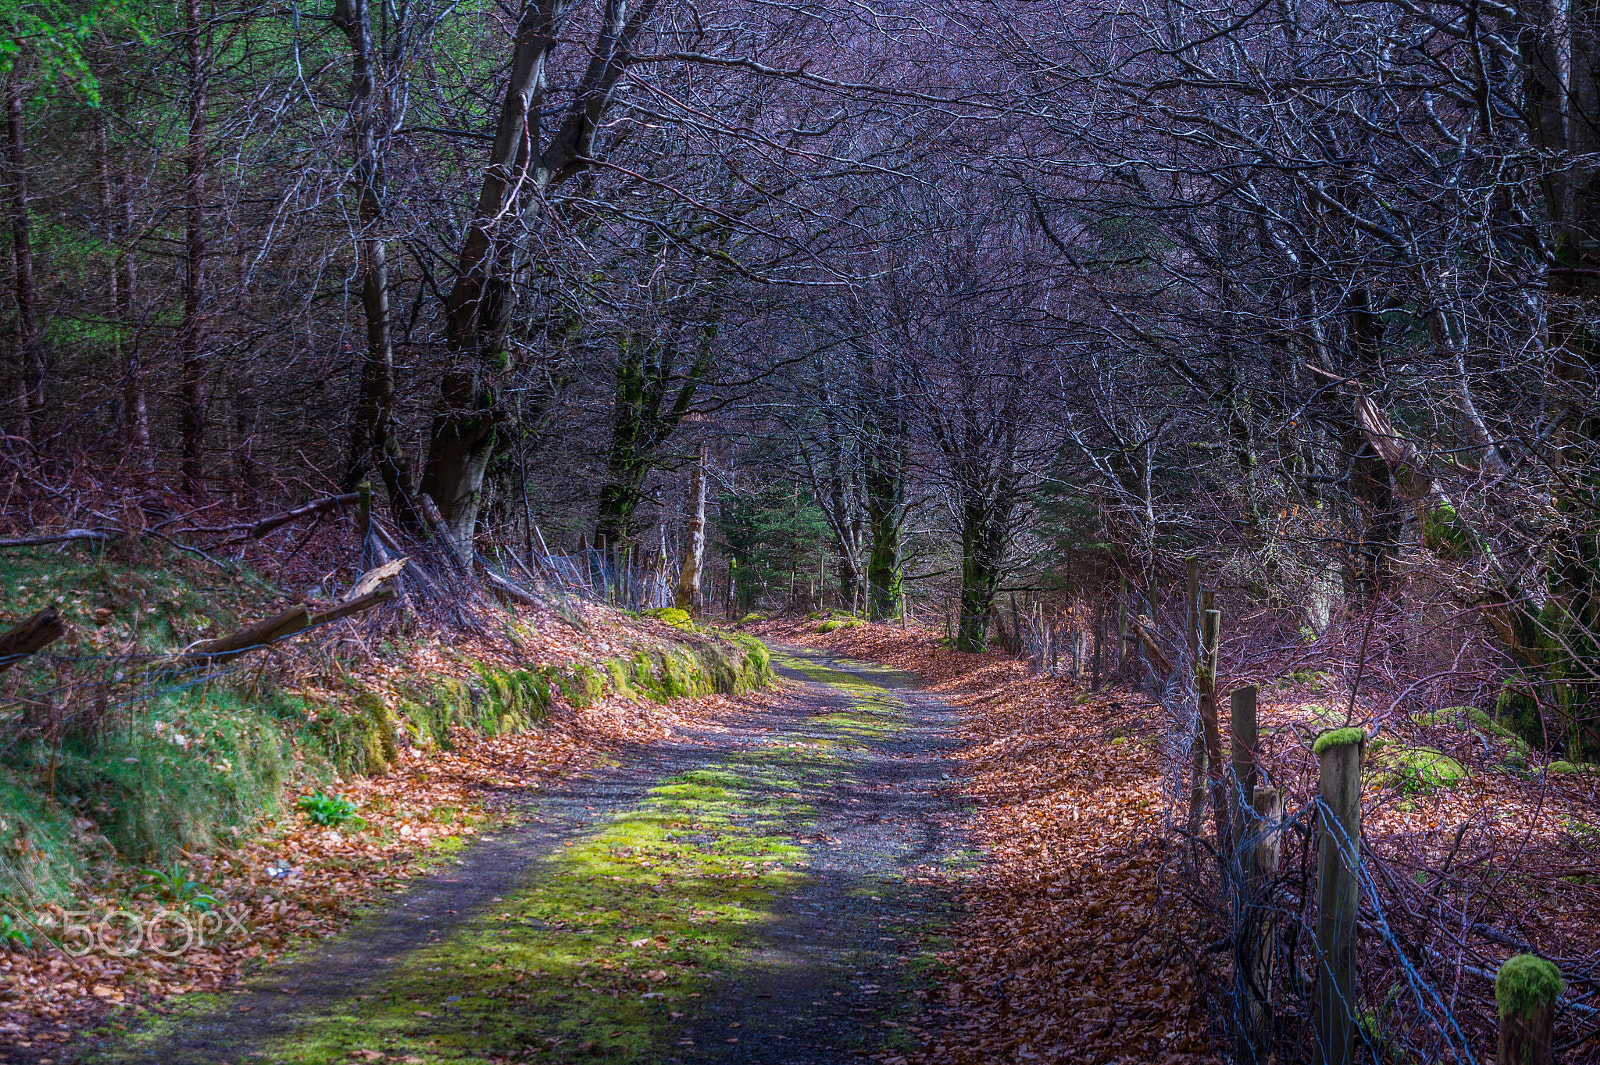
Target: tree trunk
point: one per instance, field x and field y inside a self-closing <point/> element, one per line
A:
<point x="1378" y="514"/>
<point x="134" y="404"/>
<point x="1561" y="53"/>
<point x="694" y="548"/>
<point x="981" y="546"/>
<point x="375" y="437"/>
<point x="191" y="339"/>
<point x="247" y="471"/>
<point x="885" y="492"/>
<point x="518" y="175"/>
<point x="116" y="212"/>
<point x="27" y="354"/>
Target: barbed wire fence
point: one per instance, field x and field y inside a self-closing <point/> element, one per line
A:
<point x="1322" y="938"/>
<point x="1323" y="941"/>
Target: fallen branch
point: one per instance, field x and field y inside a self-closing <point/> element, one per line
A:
<point x="254" y="530"/>
<point x="1147" y="637"/>
<point x="353" y="606"/>
<point x="36" y="633"/>
<point x="279" y="627"/>
<point x="251" y="637"/>
<point x="504" y="589"/>
<point x="56" y="538"/>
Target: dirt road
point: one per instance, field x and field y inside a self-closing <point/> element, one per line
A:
<point x="773" y="890"/>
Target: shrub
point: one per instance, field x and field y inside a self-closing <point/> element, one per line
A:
<point x="329" y="811"/>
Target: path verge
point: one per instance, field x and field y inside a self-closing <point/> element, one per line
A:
<point x="767" y="891"/>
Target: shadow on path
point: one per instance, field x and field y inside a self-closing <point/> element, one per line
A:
<point x="777" y="861"/>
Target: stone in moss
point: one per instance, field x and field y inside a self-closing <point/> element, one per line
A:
<point x="1316" y="680"/>
<point x="377" y="733"/>
<point x="1337" y="738"/>
<point x="1571" y="767"/>
<point x="621" y="676"/>
<point x="1419" y="770"/>
<point x="1524" y="982"/>
<point x="671" y="615"/>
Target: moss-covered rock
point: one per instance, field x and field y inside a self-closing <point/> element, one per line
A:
<point x="376" y="739"/>
<point x="671" y="615"/>
<point x="1572" y="767"/>
<point x="1417" y="770"/>
<point x="620" y="676"/>
<point x="580" y="685"/>
<point x="1316" y="680"/>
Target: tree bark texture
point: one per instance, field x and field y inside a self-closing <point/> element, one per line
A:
<point x="518" y="176"/>
<point x="27" y="356"/>
<point x="191" y="328"/>
<point x="694" y="548"/>
<point x="375" y="438"/>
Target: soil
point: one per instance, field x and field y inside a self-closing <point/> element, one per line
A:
<point x="836" y="969"/>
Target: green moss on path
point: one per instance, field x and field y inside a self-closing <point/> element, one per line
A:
<point x="630" y="940"/>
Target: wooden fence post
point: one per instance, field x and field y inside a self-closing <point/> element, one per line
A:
<point x="1245" y="735"/>
<point x="1191" y="609"/>
<point x="1525" y="989"/>
<point x="1338" y="893"/>
<point x="1255" y="970"/>
<point x="1206" y="682"/>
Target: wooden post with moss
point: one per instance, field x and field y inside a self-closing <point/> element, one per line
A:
<point x="1338" y="893"/>
<point x="1525" y="990"/>
<point x="1244" y="738"/>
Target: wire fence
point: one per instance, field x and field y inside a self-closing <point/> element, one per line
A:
<point x="1323" y="938"/>
<point x="1326" y="942"/>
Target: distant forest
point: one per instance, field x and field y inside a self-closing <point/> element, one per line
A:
<point x="995" y="313"/>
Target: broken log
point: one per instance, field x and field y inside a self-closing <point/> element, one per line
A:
<point x="353" y="606"/>
<point x="34" y="634"/>
<point x="374" y="577"/>
<point x="251" y="637"/>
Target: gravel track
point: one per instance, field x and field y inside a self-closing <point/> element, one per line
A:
<point x="829" y="978"/>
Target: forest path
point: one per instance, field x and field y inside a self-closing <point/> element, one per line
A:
<point x="750" y="893"/>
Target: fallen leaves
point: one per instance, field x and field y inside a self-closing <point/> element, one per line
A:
<point x="1064" y="954"/>
<point x="289" y="880"/>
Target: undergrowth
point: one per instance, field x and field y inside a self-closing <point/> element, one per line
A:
<point x="105" y="758"/>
